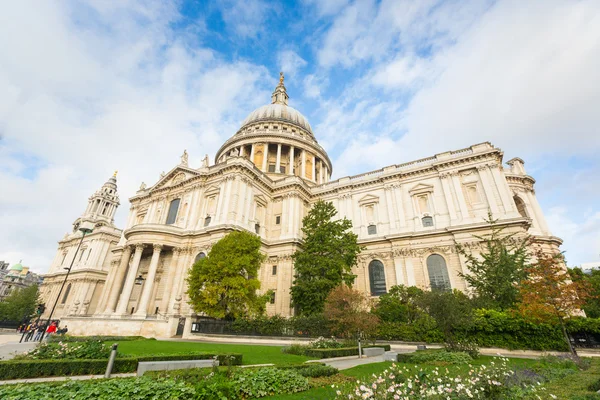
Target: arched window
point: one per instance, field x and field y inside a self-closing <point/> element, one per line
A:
<point x="173" y="208"/>
<point x="66" y="295"/>
<point x="377" y="278"/>
<point x="521" y="207"/>
<point x="200" y="256"/>
<point x="438" y="273"/>
<point x="427" y="221"/>
<point x="207" y="220"/>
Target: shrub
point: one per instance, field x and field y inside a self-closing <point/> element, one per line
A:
<point x="269" y="381"/>
<point x="297" y="349"/>
<point x="341" y="352"/>
<point x="68" y="338"/>
<point x="322" y="343"/>
<point x="423" y="329"/>
<point x="127" y="388"/>
<point x="317" y="370"/>
<point x="435" y="356"/>
<point x="594" y="387"/>
<point x="90" y="349"/>
<point x="22" y="369"/>
<point x="310" y="325"/>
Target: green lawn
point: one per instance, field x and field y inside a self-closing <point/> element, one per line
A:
<point x="252" y="354"/>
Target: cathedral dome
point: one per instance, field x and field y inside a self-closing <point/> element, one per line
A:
<point x="17" y="267"/>
<point x="278" y="112"/>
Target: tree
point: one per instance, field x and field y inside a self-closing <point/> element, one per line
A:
<point x="326" y="259"/>
<point x="494" y="274"/>
<point x="549" y="294"/>
<point x="592" y="304"/>
<point x="452" y="311"/>
<point x="348" y="313"/>
<point x="20" y="304"/>
<point x="400" y="304"/>
<point x="224" y="284"/>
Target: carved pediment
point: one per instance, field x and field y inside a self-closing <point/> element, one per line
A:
<point x="174" y="177"/>
<point x="421" y="188"/>
<point x="260" y="200"/>
<point x="211" y="191"/>
<point x="368" y="199"/>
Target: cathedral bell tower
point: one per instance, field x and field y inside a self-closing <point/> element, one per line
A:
<point x="102" y="205"/>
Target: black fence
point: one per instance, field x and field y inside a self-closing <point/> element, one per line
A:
<point x="214" y="326"/>
<point x="9" y="325"/>
<point x="585" y="340"/>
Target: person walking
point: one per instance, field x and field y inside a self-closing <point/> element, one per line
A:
<point x="30" y="331"/>
<point x="51" y="330"/>
<point x="40" y="330"/>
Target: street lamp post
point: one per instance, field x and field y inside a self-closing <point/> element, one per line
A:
<point x="84" y="228"/>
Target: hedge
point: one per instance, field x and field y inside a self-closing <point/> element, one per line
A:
<point x="68" y="338"/>
<point x="341" y="352"/>
<point x="22" y="369"/>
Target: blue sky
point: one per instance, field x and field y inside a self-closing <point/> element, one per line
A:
<point x="92" y="87"/>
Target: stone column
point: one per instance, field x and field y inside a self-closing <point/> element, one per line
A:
<point x="147" y="290"/>
<point x="252" y="153"/>
<point x="537" y="211"/>
<point x="241" y="151"/>
<point x="448" y="195"/>
<point x="399" y="270"/>
<point x="503" y="189"/>
<point x="410" y="272"/>
<point x="130" y="280"/>
<point x="278" y="162"/>
<point x="460" y="196"/>
<point x="177" y="290"/>
<point x="171" y="272"/>
<point x="117" y="282"/>
<point x="487" y="188"/>
<point x="314" y="169"/>
<point x="291" y="160"/>
<point x="110" y="277"/>
<point x="390" y="208"/>
<point x="265" y="156"/>
<point x="303" y="172"/>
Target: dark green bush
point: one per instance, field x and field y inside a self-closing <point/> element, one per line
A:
<point x="317" y="370"/>
<point x="594" y="387"/>
<point x="297" y="349"/>
<point x="255" y="383"/>
<point x="128" y="388"/>
<point x="343" y="352"/>
<point x="434" y="356"/>
<point x="21" y="369"/>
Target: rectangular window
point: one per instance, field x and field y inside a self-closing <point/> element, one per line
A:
<point x="272" y="299"/>
<point x="278" y="220"/>
<point x="282" y="169"/>
<point x="372" y="229"/>
<point x="427" y="221"/>
<point x="207" y="220"/>
<point x="274" y="269"/>
<point x="271" y="167"/>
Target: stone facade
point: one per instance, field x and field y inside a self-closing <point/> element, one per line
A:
<point x="265" y="179"/>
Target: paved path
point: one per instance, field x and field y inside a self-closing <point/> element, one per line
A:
<point x="10" y="346"/>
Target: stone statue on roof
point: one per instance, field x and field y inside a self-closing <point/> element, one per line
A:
<point x="184" y="158"/>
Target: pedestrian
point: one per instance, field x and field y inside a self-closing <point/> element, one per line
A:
<point x="40" y="330"/>
<point x="30" y="331"/>
<point x="51" y="329"/>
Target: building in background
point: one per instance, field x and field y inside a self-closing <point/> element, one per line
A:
<point x="264" y="180"/>
<point x="16" y="277"/>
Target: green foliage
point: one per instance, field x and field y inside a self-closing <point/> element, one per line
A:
<point x="69" y="338"/>
<point x="20" y="304"/>
<point x="90" y="349"/>
<point x="317" y="370"/>
<point x="594" y="387"/>
<point x="256" y="383"/>
<point x="325" y="260"/>
<point x="262" y="325"/>
<point x="134" y="389"/>
<point x="225" y="284"/>
<point x="435" y="356"/>
<point x="297" y="349"/>
<point x="592" y="277"/>
<point x="310" y="325"/>
<point x="341" y="352"/>
<point x="495" y="272"/>
<point x="22" y="369"/>
<point x="424" y="329"/>
<point x="400" y="304"/>
<point x="452" y="311"/>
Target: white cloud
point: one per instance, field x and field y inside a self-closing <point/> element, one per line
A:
<point x="247" y="18"/>
<point x="581" y="237"/>
<point x="79" y="102"/>
<point x="290" y="62"/>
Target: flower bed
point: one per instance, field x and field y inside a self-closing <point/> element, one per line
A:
<point x="400" y="382"/>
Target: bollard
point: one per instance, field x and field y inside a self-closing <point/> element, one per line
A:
<point x="359" y="348"/>
<point x="111" y="360"/>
